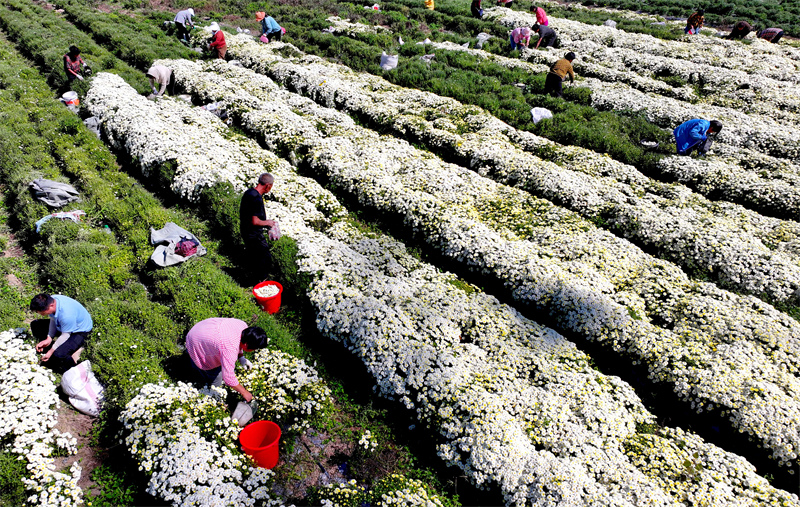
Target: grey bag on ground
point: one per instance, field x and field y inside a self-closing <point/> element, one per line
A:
<point x="54" y="193"/>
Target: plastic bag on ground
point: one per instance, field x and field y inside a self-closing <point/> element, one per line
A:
<point x="84" y="391"/>
<point x="388" y="62"/>
<point x="540" y="113"/>
<point x="93" y="124"/>
<point x="611" y="23"/>
<point x="482" y="38"/>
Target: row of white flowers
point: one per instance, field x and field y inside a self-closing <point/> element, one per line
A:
<point x="708" y="343"/>
<point x="734" y="172"/>
<point x="779" y="62"/>
<point x="185" y="439"/>
<point x="28" y="416"/>
<point x="517" y="404"/>
<point x="203" y="151"/>
<point x="723" y="239"/>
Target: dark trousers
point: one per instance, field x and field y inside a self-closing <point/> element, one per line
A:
<point x="61" y="360"/>
<point x="702" y="147"/>
<point x="273" y="36"/>
<point x="552" y="85"/>
<point x="259" y="256"/>
<point x="548" y="41"/>
<point x="200" y="377"/>
<point x="183" y="32"/>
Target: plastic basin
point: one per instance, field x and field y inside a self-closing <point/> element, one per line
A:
<point x="260" y="440"/>
<point x="271" y="304"/>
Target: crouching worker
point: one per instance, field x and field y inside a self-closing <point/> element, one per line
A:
<point x="69" y="324"/>
<point x="161" y="75"/>
<point x="697" y="135"/>
<point x="558" y="73"/>
<point x="215" y="345"/>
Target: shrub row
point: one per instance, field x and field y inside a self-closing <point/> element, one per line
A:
<point x="45" y="36"/>
<point x="138" y="42"/>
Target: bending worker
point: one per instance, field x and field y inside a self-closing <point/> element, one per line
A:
<point x="547" y="36"/>
<point x="214" y="345"/>
<point x="252" y="221"/>
<point x="183" y="22"/>
<point x="217" y="42"/>
<point x="695" y="22"/>
<point x="69" y="323"/>
<point x="696" y="135"/>
<point x="740" y="30"/>
<point x="558" y="73"/>
<point x="772" y="35"/>
<point x="159" y="74"/>
<point x="519" y="38"/>
<point x="74" y="65"/>
<point x="269" y="26"/>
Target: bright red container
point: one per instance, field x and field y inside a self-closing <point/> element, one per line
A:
<point x="270" y="304"/>
<point x="260" y="440"/>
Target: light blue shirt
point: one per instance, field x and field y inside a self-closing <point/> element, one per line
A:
<point x="71" y="316"/>
<point x="270" y="25"/>
<point x="183" y="17"/>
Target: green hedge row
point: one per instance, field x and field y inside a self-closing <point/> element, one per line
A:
<point x="45" y="37"/>
<point x="138" y="42"/>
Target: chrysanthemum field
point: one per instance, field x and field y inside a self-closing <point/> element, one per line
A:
<point x="477" y="308"/>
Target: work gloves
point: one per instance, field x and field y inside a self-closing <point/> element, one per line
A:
<point x="246" y="364"/>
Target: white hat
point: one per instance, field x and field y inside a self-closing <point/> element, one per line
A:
<point x="214" y="27"/>
<point x="191" y="11"/>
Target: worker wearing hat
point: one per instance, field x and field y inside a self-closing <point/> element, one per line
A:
<point x="520" y="37"/>
<point x="183" y="22"/>
<point x="269" y="27"/>
<point x="217" y="42"/>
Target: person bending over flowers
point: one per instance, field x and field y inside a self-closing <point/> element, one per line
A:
<point x="214" y="345"/>
<point x="695" y="22"/>
<point x="69" y="323"/>
<point x="217" y="42"/>
<point x="547" y="36"/>
<point x="520" y="38"/>
<point x="696" y="134"/>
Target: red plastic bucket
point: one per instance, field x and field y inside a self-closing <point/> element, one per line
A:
<point x="271" y="304"/>
<point x="260" y="440"/>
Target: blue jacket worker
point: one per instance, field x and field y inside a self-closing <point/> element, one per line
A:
<point x="269" y="26"/>
<point x="69" y="324"/>
<point x="696" y="135"/>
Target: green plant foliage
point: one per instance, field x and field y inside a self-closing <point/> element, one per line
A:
<point x="138" y="42"/>
<point x="12" y="490"/>
<point x="46" y="37"/>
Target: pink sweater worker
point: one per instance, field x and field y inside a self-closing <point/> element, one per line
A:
<point x="215" y="344"/>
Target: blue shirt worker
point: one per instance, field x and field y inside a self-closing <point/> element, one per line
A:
<point x="269" y="26"/>
<point x="696" y="135"/>
<point x="69" y="324"/>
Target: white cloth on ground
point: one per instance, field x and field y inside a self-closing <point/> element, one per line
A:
<point x="166" y="239"/>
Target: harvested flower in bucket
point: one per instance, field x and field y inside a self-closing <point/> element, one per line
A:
<point x="267" y="291"/>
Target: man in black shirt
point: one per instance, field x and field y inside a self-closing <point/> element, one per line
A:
<point x="252" y="220"/>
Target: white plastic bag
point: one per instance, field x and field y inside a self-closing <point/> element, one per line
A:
<point x="482" y="38"/>
<point x="244" y="412"/>
<point x="540" y="113"/>
<point x="84" y="391"/>
<point x="388" y="62"/>
<point x="611" y="23"/>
